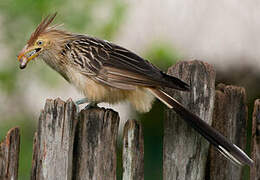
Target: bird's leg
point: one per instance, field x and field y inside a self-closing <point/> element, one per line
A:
<point x="82" y="101"/>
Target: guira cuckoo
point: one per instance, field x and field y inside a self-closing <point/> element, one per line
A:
<point x="106" y="72"/>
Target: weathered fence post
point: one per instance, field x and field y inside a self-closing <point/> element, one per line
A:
<point x="184" y="150"/>
<point x="133" y="151"/>
<point x="255" y="171"/>
<point x="53" y="143"/>
<point x="95" y="145"/>
<point x="76" y="146"/>
<point x="70" y="145"/>
<point x="230" y="119"/>
<point x="9" y="155"/>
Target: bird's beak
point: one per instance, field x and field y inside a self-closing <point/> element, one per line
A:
<point x="26" y="55"/>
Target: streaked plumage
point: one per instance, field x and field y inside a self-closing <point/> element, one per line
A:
<point x="106" y="72"/>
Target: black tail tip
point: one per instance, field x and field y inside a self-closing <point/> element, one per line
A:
<point x="186" y="87"/>
<point x="175" y="83"/>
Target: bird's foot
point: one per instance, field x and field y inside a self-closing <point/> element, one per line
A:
<point x="83" y="101"/>
<point x="91" y="105"/>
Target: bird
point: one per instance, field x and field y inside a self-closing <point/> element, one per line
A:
<point x="106" y="72"/>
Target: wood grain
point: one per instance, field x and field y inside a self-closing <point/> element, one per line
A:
<point x="255" y="171"/>
<point x="9" y="155"/>
<point x="230" y="119"/>
<point x="184" y="150"/>
<point x="53" y="142"/>
<point x="95" y="145"/>
<point x="133" y="151"/>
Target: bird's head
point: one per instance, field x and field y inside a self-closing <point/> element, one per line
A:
<point x="41" y="40"/>
<point x="31" y="51"/>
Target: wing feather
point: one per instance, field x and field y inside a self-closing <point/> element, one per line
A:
<point x="115" y="66"/>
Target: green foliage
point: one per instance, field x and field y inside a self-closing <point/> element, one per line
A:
<point x="112" y="25"/>
<point x="27" y="129"/>
<point x="8" y="79"/>
<point x="153" y="141"/>
<point x="162" y="54"/>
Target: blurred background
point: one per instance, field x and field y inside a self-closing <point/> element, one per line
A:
<point x="222" y="33"/>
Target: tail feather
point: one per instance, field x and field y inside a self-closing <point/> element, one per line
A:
<point x="229" y="150"/>
<point x="175" y="83"/>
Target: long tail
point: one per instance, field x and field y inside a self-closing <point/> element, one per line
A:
<point x="229" y="150"/>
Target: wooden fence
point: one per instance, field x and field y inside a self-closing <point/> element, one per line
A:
<point x="71" y="145"/>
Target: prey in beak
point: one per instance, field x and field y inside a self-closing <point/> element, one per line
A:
<point x="23" y="62"/>
<point x="26" y="55"/>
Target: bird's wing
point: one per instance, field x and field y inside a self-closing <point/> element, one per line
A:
<point x="118" y="67"/>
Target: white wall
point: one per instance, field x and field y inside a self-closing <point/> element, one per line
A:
<point x="222" y="32"/>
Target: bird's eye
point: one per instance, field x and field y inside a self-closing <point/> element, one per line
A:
<point x="39" y="42"/>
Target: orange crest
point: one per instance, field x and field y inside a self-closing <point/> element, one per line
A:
<point x="41" y="28"/>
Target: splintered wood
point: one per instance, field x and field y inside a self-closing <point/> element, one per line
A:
<point x="53" y="142"/>
<point x="9" y="155"/>
<point x="230" y="119"/>
<point x="95" y="145"/>
<point x="76" y="146"/>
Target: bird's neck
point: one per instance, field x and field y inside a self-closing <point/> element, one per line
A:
<point x="53" y="54"/>
<point x="52" y="58"/>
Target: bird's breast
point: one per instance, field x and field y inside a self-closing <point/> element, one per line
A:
<point x="140" y="98"/>
<point x="95" y="91"/>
